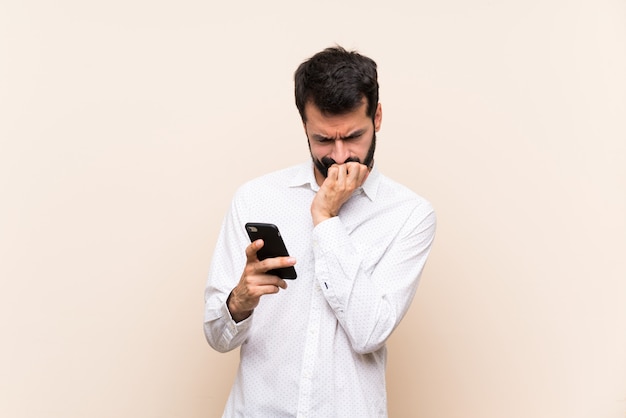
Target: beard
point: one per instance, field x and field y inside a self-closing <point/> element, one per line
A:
<point x="326" y="162"/>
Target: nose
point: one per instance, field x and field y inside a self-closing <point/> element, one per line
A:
<point x="340" y="152"/>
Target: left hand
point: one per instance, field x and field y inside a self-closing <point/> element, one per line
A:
<point x="342" y="181"/>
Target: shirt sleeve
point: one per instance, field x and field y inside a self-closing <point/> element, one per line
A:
<point x="369" y="304"/>
<point x="227" y="263"/>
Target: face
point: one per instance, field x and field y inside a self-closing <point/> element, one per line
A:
<point x="338" y="139"/>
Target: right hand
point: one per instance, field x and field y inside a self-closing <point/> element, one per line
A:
<point x="255" y="282"/>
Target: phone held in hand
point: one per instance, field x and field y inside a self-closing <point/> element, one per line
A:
<point x="274" y="246"/>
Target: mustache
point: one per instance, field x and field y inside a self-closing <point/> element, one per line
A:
<point x="328" y="162"/>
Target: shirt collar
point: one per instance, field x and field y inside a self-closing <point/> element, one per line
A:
<point x="305" y="175"/>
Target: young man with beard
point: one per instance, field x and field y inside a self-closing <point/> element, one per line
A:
<point x="316" y="347"/>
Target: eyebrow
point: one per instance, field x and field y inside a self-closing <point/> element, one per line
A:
<point x="352" y="135"/>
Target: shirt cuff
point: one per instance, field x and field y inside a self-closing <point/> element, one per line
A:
<point x="233" y="328"/>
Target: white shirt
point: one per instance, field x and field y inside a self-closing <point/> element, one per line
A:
<point x="317" y="348"/>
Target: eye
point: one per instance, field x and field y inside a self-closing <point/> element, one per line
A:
<point x="321" y="140"/>
<point x="355" y="136"/>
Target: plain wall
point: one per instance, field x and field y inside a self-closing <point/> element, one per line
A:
<point x="126" y="126"/>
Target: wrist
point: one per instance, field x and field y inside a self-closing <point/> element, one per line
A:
<point x="320" y="216"/>
<point x="236" y="313"/>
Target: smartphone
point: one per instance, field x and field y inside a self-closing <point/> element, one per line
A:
<point x="274" y="246"/>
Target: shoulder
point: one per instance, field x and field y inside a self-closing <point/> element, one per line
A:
<point x="399" y="202"/>
<point x="269" y="196"/>
<point x="269" y="182"/>
<point x="391" y="190"/>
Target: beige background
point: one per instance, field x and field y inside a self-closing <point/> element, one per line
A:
<point x="125" y="127"/>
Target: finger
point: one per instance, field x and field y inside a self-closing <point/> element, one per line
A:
<point x="271" y="284"/>
<point x="282" y="284"/>
<point x="352" y="175"/>
<point x="357" y="173"/>
<point x="332" y="172"/>
<point x="342" y="173"/>
<point x="269" y="280"/>
<point x="276" y="263"/>
<point x="278" y="283"/>
<point x="362" y="173"/>
<point x="352" y="170"/>
<point x="252" y="249"/>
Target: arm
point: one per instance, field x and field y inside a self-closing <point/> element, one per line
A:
<point x="220" y="329"/>
<point x="370" y="304"/>
<point x="229" y="304"/>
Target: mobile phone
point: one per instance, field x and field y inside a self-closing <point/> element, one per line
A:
<point x="274" y="246"/>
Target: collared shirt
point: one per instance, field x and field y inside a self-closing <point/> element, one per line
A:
<point x="317" y="348"/>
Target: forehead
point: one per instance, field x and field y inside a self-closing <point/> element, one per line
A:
<point x="318" y="120"/>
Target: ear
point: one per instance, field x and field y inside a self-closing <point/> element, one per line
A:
<point x="378" y="117"/>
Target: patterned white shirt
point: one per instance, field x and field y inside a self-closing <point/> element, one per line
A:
<point x="317" y="348"/>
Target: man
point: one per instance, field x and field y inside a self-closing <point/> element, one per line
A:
<point x="315" y="347"/>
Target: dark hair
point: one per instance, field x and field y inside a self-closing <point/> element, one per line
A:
<point x="336" y="80"/>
